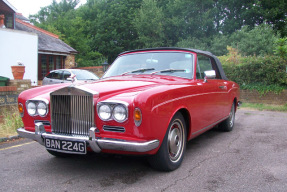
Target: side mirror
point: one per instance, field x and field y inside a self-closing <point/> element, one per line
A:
<point x="69" y="79"/>
<point x="209" y="75"/>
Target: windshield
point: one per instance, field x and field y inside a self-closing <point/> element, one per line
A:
<point x="84" y="75"/>
<point x="178" y="64"/>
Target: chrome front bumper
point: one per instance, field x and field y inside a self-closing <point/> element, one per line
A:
<point x="96" y="144"/>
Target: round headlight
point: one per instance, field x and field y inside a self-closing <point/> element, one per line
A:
<point x="42" y="109"/>
<point x="120" y="113"/>
<point x="31" y="108"/>
<point x="105" y="112"/>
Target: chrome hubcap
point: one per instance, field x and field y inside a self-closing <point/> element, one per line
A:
<point x="175" y="141"/>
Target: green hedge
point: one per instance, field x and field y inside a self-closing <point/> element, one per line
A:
<point x="268" y="70"/>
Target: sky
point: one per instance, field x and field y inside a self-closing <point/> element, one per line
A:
<point x="30" y="7"/>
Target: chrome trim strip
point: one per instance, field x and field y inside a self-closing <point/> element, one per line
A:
<point x="114" y="129"/>
<point x="209" y="126"/>
<point x="39" y="99"/>
<point x="123" y="145"/>
<point x="189" y="96"/>
<point x="115" y="102"/>
<point x="97" y="144"/>
<point x="45" y="123"/>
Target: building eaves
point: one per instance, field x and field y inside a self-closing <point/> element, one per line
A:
<point x="9" y="5"/>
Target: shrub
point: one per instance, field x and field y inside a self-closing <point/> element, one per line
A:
<point x="263" y="74"/>
<point x="268" y="70"/>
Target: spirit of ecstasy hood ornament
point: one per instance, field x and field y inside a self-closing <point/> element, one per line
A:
<point x="73" y="78"/>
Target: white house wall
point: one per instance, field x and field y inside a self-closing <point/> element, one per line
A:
<point x="20" y="46"/>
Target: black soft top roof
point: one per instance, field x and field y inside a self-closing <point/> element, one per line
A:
<point x="207" y="53"/>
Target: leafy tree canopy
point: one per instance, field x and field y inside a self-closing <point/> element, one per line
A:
<point x="101" y="29"/>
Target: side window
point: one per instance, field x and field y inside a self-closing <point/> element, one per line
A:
<point x="205" y="63"/>
<point x="49" y="75"/>
<point x="56" y="75"/>
<point x="66" y="75"/>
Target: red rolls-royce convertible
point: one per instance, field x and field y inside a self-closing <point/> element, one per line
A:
<point x="149" y="102"/>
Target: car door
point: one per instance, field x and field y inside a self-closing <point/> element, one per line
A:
<point x="54" y="77"/>
<point x="211" y="98"/>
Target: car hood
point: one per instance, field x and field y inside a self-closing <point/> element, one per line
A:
<point x="109" y="87"/>
<point x="119" y="85"/>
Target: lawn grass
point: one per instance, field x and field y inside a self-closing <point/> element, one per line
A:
<point x="265" y="107"/>
<point x="11" y="122"/>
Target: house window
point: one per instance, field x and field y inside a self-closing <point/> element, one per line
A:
<point x="48" y="63"/>
<point x="51" y="63"/>
<point x="9" y="21"/>
<point x="43" y="65"/>
<point x="59" y="62"/>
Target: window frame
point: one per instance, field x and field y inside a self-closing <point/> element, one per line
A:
<point x="47" y="64"/>
<point x="212" y="64"/>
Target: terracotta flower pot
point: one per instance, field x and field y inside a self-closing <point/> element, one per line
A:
<point x="18" y="72"/>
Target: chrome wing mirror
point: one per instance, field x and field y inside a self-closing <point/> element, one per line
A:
<point x="209" y="75"/>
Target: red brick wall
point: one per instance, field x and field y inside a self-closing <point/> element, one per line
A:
<point x="248" y="96"/>
<point x="70" y="62"/>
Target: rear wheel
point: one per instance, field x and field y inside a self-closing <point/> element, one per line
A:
<point x="228" y="124"/>
<point x="171" y="152"/>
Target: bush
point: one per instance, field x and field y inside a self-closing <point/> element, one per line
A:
<point x="263" y="74"/>
<point x="268" y="70"/>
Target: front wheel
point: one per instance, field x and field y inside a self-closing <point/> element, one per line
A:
<point x="171" y="152"/>
<point x="228" y="124"/>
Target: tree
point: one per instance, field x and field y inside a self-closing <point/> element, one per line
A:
<point x="112" y="31"/>
<point x="274" y="13"/>
<point x="51" y="13"/>
<point x="149" y="25"/>
<point x="257" y="41"/>
<point x="102" y="29"/>
<point x="188" y="19"/>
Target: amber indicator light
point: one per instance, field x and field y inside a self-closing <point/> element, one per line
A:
<point x="137" y="115"/>
<point x="20" y="108"/>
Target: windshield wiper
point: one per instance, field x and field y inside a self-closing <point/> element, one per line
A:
<point x="169" y="71"/>
<point x="139" y="70"/>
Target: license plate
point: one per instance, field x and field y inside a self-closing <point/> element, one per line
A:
<point x="66" y="146"/>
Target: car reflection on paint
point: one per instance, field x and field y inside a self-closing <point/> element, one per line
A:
<point x="65" y="76"/>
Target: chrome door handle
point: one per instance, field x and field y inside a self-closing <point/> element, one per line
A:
<point x="223" y="87"/>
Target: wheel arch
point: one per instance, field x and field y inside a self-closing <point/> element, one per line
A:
<point x="187" y="118"/>
<point x="235" y="103"/>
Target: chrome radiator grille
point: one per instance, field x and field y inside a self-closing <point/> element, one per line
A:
<point x="72" y="114"/>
